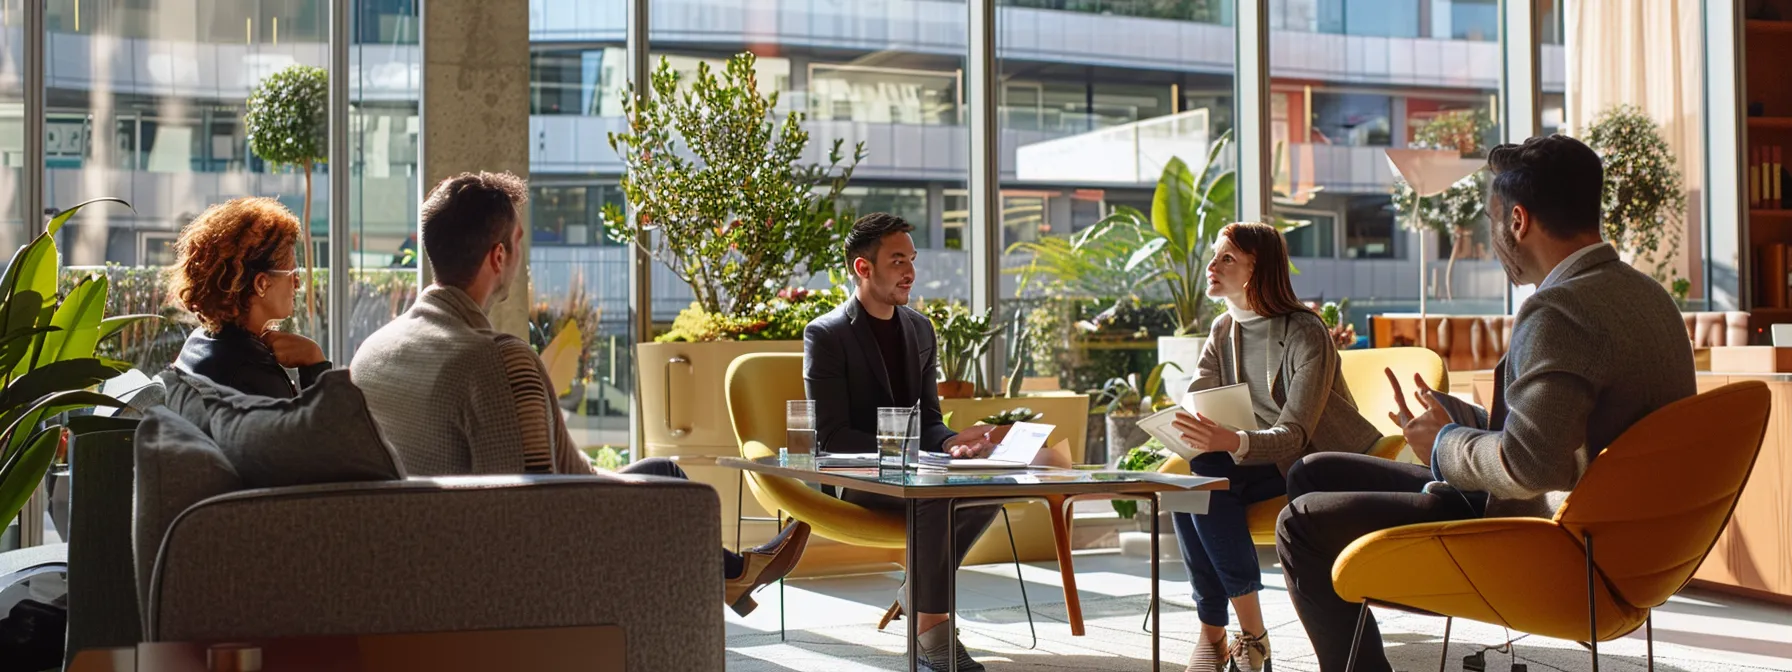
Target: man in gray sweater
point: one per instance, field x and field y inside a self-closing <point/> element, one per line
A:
<point x="455" y="396"/>
<point x="1597" y="348"/>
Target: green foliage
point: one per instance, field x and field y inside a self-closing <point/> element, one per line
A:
<point x="719" y="196"/>
<point x="1645" y="201"/>
<point x="1011" y="416"/>
<point x="1680" y="288"/>
<point x="1126" y="396"/>
<point x="1091" y="264"/>
<point x="1187" y="212"/>
<point x="607" y="457"/>
<point x="963" y="340"/>
<point x="782" y="318"/>
<point x="1020" y="341"/>
<point x="48" y="359"/>
<point x="1147" y="457"/>
<point x="287" y="116"/>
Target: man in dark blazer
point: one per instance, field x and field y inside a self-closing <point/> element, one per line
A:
<point x="874" y="351"/>
<point x="1597" y="348"/>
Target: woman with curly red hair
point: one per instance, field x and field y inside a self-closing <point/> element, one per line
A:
<point x="237" y="271"/>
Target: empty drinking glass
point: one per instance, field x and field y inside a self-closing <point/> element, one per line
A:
<point x="799" y="426"/>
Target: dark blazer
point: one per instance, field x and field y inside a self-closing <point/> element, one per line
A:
<point x="235" y="358"/>
<point x="844" y="372"/>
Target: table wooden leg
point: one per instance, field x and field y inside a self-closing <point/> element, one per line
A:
<point x="1073" y="605"/>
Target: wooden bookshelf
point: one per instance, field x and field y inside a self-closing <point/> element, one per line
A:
<point x="1770" y="123"/>
<point x="1769" y="28"/>
<point x="1767" y="224"/>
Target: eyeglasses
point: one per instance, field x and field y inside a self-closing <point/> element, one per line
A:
<point x="297" y="274"/>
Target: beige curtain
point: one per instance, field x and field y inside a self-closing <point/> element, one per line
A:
<point x="1646" y="53"/>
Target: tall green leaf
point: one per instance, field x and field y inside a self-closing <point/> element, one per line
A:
<point x="61" y="218"/>
<point x="79" y="319"/>
<point x="112" y="326"/>
<point x="22" y="473"/>
<point x="63" y="376"/>
<point x="1144" y="253"/>
<point x="1218" y="204"/>
<point x="1173" y="203"/>
<point x="33" y="269"/>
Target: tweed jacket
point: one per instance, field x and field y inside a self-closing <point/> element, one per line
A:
<point x="1597" y="348"/>
<point x="1318" y="413"/>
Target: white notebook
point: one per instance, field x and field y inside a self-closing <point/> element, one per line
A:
<point x="1230" y="406"/>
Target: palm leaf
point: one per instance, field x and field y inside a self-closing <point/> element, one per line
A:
<point x="1173" y="203"/>
<point x="55" y="223"/>
<point x="113" y="326"/>
<point x="21" y="474"/>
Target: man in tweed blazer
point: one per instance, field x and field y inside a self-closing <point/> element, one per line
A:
<point x="1597" y="348"/>
<point x="455" y="396"/>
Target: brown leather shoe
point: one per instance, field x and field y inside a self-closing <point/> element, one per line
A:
<point x="764" y="565"/>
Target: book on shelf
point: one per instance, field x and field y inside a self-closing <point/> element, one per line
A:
<point x="1774" y="281"/>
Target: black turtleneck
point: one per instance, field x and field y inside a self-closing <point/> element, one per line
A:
<point x="892" y="345"/>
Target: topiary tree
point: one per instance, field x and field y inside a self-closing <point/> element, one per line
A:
<point x="1458" y="211"/>
<point x="1644" y="199"/>
<point x="288" y="122"/>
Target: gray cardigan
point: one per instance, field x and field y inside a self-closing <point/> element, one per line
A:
<point x="1318" y="413"/>
<point x="1599" y="346"/>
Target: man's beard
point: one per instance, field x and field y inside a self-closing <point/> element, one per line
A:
<point x="1505" y="247"/>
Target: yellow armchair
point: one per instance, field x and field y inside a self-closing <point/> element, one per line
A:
<point x="757" y="387"/>
<point x="1639" y="523"/>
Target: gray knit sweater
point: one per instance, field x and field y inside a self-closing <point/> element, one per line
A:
<point x="456" y="397"/>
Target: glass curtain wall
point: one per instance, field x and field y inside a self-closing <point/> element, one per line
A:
<point x="1390" y="74"/>
<point x="145" y="102"/>
<point x="386" y="62"/>
<point x="1094" y="104"/>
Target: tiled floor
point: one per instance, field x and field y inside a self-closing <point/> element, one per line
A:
<point x="831" y="624"/>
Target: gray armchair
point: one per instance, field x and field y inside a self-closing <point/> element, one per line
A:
<point x="445" y="554"/>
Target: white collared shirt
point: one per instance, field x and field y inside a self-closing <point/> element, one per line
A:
<point x="1556" y="273"/>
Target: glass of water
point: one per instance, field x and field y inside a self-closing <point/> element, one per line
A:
<point x="894" y="432"/>
<point x="799" y="426"/>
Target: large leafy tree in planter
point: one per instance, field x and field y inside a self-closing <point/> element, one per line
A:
<point x="720" y="196"/>
<point x="288" y="120"/>
<point x="1644" y="197"/>
<point x="1458" y="212"/>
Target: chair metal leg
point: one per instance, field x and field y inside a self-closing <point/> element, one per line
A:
<point x="1444" y="657"/>
<point x="1014" y="552"/>
<point x="740" y="491"/>
<point x="782" y="636"/>
<point x="1362" y="620"/>
<point x="1649" y="636"/>
<point x="1592" y="605"/>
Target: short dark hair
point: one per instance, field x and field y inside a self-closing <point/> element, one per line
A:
<point x="868" y="233"/>
<point x="1560" y="180"/>
<point x="464" y="216"/>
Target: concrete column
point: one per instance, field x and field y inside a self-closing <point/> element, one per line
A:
<point x="476" y="108"/>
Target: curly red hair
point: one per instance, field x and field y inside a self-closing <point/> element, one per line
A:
<point x="220" y="253"/>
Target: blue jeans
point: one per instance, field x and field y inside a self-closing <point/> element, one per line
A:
<point x="1217" y="546"/>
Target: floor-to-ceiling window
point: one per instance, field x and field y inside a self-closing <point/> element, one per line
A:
<point x="1402" y="73"/>
<point x="1092" y="108"/>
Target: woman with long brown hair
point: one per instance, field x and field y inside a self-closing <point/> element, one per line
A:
<point x="236" y="270"/>
<point x="1282" y="352"/>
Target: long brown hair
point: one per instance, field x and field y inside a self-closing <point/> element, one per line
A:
<point x="1270" y="291"/>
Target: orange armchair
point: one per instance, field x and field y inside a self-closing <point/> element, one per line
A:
<point x="1639" y="523"/>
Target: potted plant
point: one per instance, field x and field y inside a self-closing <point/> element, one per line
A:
<point x="1188" y="210"/>
<point x="1125" y="400"/>
<point x="1645" y="202"/>
<point x="721" y="198"/>
<point x="1458" y="212"/>
<point x="1336" y="315"/>
<point x="47" y="351"/>
<point x="962" y="341"/>
<point x="1148" y="456"/>
<point x="1011" y="416"/>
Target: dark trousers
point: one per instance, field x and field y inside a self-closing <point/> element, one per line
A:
<point x="932" y="563"/>
<point x="1335" y="498"/>
<point x="1217" y="546"/>
<point x="659" y="466"/>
